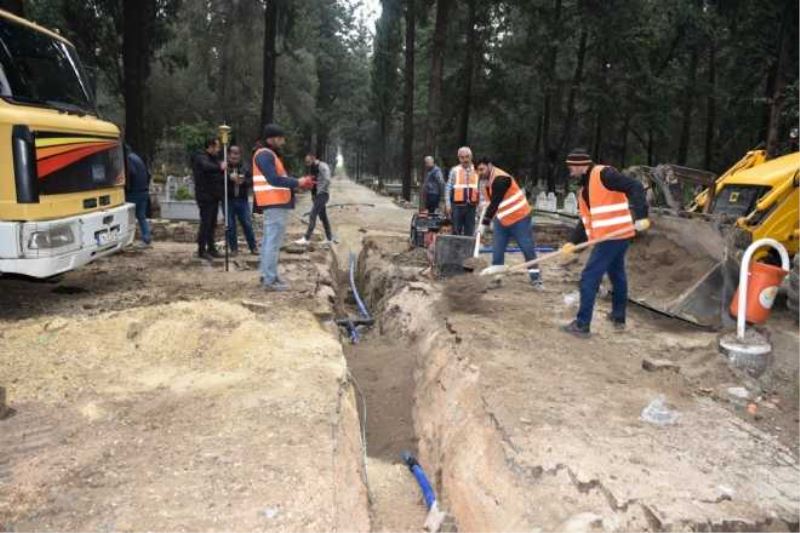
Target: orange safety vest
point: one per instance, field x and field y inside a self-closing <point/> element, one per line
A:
<point x="266" y="195"/>
<point x="514" y="206"/>
<point x="608" y="211"/>
<point x="465" y="187"/>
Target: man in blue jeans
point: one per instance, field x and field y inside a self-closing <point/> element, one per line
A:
<point x="509" y="208"/>
<point x="274" y="190"/>
<point x="613" y="209"/>
<point x="241" y="181"/>
<point x="137" y="192"/>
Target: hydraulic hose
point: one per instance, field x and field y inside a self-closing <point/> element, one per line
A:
<point x="361" y="307"/>
<point x="422" y="480"/>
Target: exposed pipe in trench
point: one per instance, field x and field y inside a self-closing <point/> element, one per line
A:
<point x="352" y="324"/>
<point x="435" y="516"/>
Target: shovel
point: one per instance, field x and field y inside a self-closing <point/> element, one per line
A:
<point x="475" y="262"/>
<point x="503" y="269"/>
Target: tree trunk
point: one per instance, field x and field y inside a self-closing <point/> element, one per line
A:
<point x="779" y="86"/>
<point x="138" y="20"/>
<point x="469" y="72"/>
<point x="16" y="7"/>
<point x="688" y="107"/>
<point x="436" y="81"/>
<point x="270" y="62"/>
<point x="549" y="83"/>
<point x="577" y="78"/>
<point x="711" y="106"/>
<point x="408" y="101"/>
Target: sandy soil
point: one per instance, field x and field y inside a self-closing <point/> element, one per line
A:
<point x="153" y="391"/>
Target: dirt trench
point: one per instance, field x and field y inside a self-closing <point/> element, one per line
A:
<point x="522" y="429"/>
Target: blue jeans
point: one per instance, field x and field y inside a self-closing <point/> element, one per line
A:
<point x="140" y="200"/>
<point x="274" y="231"/>
<point x="239" y="209"/>
<point x="522" y="232"/>
<point x="464" y="219"/>
<point x="607" y="257"/>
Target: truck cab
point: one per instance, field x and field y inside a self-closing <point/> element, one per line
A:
<point x="62" y="168"/>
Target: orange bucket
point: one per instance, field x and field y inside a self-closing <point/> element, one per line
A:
<point x="762" y="288"/>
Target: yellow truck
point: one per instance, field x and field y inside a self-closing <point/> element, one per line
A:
<point x="62" y="168"/>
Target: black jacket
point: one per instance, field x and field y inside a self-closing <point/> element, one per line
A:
<point x="209" y="180"/>
<point x="244" y="188"/>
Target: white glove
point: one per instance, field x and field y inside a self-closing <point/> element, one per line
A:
<point x="643" y="224"/>
<point x="492" y="270"/>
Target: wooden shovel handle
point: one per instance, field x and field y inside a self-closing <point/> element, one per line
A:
<point x="578" y="247"/>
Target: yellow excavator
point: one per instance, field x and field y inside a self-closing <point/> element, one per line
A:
<point x="687" y="266"/>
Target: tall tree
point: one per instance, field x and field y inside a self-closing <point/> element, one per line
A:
<point x="385" y="78"/>
<point x="270" y="62"/>
<point x="408" y="99"/>
<point x="469" y="70"/>
<point x="139" y="21"/>
<point x="433" y="117"/>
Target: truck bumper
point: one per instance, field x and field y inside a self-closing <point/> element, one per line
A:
<point x="45" y="249"/>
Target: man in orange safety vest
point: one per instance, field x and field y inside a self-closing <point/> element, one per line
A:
<point x="612" y="207"/>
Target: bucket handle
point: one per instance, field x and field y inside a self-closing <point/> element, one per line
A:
<point x="743" y="277"/>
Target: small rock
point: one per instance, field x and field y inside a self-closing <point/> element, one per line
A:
<point x="56" y="324"/>
<point x="655" y="365"/>
<point x="738" y="392"/>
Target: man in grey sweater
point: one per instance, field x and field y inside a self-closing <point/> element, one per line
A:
<point x="320" y="195"/>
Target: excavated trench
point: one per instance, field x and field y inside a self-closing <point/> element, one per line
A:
<point x="423" y="392"/>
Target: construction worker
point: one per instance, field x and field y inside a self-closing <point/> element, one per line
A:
<point x="137" y="192"/>
<point x="462" y="195"/>
<point x="241" y="180"/>
<point x="209" y="182"/>
<point x="433" y="186"/>
<point x="274" y="191"/>
<point x="610" y="203"/>
<point x="320" y="194"/>
<point x="511" y="212"/>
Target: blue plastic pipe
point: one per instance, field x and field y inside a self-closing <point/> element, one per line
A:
<point x="517" y="249"/>
<point x="422" y="480"/>
<point x="361" y="307"/>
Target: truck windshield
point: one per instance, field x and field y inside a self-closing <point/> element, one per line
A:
<point x="38" y="69"/>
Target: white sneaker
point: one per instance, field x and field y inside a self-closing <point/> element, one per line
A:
<point x="302" y="241"/>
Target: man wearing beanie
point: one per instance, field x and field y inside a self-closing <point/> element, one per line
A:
<point x="273" y="191"/>
<point x="612" y="207"/>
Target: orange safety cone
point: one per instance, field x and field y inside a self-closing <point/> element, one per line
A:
<point x="762" y="288"/>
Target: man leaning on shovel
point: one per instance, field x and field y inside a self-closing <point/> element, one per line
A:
<point x="613" y="207"/>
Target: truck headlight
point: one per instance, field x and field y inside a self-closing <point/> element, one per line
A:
<point x="54" y="237"/>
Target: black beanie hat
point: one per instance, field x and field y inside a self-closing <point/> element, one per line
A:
<point x="579" y="157"/>
<point x="273" y="130"/>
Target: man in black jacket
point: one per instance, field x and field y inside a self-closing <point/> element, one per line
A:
<point x="613" y="209"/>
<point x="239" y="187"/>
<point x="209" y="183"/>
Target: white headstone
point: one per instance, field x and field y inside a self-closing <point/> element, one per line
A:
<point x="552" y="201"/>
<point x="571" y="204"/>
<point x="541" y="201"/>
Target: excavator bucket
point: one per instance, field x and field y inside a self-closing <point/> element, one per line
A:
<point x="682" y="268"/>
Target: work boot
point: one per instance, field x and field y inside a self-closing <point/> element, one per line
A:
<point x="278" y="286"/>
<point x="215" y="253"/>
<point x="302" y="241"/>
<point x="203" y="254"/>
<point x="618" y="325"/>
<point x="254" y="251"/>
<point x="576" y="330"/>
<point x="538" y="285"/>
<point x="233" y="253"/>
